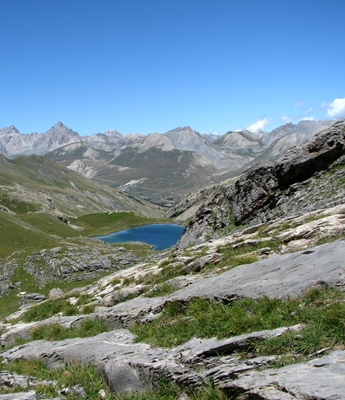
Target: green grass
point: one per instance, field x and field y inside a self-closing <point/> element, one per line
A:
<point x="52" y="307"/>
<point x="104" y="223"/>
<point x="20" y="238"/>
<point x="88" y="327"/>
<point x="329" y="239"/>
<point x="232" y="258"/>
<point x="16" y="205"/>
<point x="50" y="225"/>
<point x="169" y="391"/>
<point x="48" y="309"/>
<point x="322" y="309"/>
<point x="161" y="289"/>
<point x="72" y="375"/>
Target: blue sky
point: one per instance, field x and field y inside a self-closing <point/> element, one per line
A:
<point x="153" y="65"/>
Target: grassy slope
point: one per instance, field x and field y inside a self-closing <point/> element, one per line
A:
<point x="35" y="190"/>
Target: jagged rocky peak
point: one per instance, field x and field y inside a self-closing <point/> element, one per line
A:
<point x="185" y="138"/>
<point x="12" y="130"/>
<point x="59" y="129"/>
<point x="112" y="133"/>
<point x="185" y="131"/>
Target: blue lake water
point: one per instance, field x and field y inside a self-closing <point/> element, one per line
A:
<point x="160" y="236"/>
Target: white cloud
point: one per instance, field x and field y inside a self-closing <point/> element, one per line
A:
<point x="258" y="125"/>
<point x="309" y="111"/>
<point x="308" y="118"/>
<point x="285" y="118"/>
<point x="336" y="108"/>
<point x="297" y="103"/>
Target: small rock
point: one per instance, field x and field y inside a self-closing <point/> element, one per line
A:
<point x="33" y="297"/>
<point x="56" y="293"/>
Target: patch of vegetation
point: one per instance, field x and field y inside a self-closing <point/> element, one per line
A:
<point x="16" y="205"/>
<point x="321" y="309"/>
<point x="104" y="223"/>
<point x="160" y="278"/>
<point x="88" y="327"/>
<point x="284" y="226"/>
<point x="169" y="391"/>
<point x="50" y="225"/>
<point x="140" y="249"/>
<point x="52" y="307"/>
<point x="232" y="257"/>
<point x="72" y="375"/>
<point x="329" y="239"/>
<point x="48" y="309"/>
<point x="20" y="238"/>
<point x="162" y="289"/>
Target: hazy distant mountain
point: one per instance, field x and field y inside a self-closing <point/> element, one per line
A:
<point x="296" y="133"/>
<point x="244" y="143"/>
<point x="159" y="166"/>
<point x="14" y="143"/>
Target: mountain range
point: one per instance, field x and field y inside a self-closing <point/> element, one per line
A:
<point x="160" y="167"/>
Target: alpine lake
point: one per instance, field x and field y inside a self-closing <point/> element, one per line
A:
<point x="160" y="236"/>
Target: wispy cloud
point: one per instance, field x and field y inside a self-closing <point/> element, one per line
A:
<point x="259" y="125"/>
<point x="336" y="108"/>
<point x="308" y="118"/>
<point x="285" y="118"/>
<point x="297" y="103"/>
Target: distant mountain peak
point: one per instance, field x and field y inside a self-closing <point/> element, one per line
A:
<point x="112" y="133"/>
<point x="10" y="130"/>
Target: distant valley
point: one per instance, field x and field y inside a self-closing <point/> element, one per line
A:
<point x="159" y="167"/>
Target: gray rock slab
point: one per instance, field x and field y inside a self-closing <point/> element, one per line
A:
<point x="135" y="310"/>
<point x="125" y="365"/>
<point x="196" y="347"/>
<point x="280" y="276"/>
<point x="322" y="378"/>
<point x="23" y="330"/>
<point x="30" y="395"/>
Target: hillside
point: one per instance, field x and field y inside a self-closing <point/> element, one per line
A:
<point x="249" y="305"/>
<point x="43" y="205"/>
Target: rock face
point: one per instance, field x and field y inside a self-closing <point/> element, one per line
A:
<point x="296" y="183"/>
<point x="74" y="264"/>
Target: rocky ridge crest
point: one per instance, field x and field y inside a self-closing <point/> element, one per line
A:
<point x="306" y="177"/>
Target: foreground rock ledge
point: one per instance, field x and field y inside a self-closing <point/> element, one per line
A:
<point x="129" y="367"/>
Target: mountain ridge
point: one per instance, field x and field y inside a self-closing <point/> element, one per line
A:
<point x="139" y="164"/>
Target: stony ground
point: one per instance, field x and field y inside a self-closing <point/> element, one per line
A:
<point x="287" y="264"/>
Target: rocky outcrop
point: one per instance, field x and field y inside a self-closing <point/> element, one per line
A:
<point x="74" y="263"/>
<point x="129" y="367"/>
<point x="306" y="177"/>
